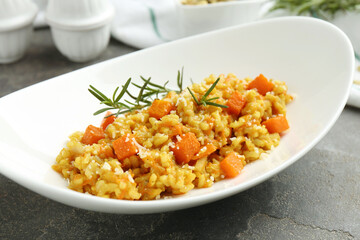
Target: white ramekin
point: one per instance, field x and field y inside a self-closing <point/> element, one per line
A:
<point x="16" y="18"/>
<point x="81" y="46"/>
<point x="13" y="43"/>
<point x="81" y="29"/>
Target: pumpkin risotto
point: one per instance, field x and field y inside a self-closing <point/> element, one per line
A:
<point x="176" y="144"/>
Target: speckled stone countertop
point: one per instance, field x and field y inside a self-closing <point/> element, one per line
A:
<point x="318" y="197"/>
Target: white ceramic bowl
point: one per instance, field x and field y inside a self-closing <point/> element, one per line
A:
<point x="81" y="46"/>
<point x="195" y="19"/>
<point x="292" y="49"/>
<point x="16" y="18"/>
<point x="79" y="14"/>
<point x="80" y="29"/>
<point x="14" y="43"/>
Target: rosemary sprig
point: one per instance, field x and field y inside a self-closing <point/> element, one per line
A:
<point x="145" y="96"/>
<point x="208" y="101"/>
<point x="152" y="89"/>
<point x="113" y="103"/>
<point x="156" y="89"/>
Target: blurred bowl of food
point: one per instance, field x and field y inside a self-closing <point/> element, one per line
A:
<point x="199" y="16"/>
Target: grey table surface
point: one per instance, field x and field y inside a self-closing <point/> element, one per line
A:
<point x="318" y="197"/>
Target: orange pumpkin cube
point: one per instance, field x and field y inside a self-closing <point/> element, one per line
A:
<point x="236" y="103"/>
<point x="185" y="148"/>
<point x="277" y="124"/>
<point x="262" y="84"/>
<point x="92" y="135"/>
<point x="125" y="146"/>
<point x="160" y="108"/>
<point x="231" y="165"/>
<point x="108" y="119"/>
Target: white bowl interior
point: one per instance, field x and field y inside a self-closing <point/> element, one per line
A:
<point x="35" y="122"/>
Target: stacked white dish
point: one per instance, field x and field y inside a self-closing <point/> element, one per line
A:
<point x="16" y="18"/>
<point x="81" y="28"/>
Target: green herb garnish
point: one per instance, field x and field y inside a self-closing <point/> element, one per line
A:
<point x="317" y="8"/>
<point x="208" y="101"/>
<point x="180" y="78"/>
<point x="114" y="102"/>
<point x="145" y="96"/>
<point x="143" y="99"/>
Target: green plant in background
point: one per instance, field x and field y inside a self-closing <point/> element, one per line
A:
<point x="317" y="8"/>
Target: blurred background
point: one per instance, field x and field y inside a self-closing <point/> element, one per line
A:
<point x="41" y="39"/>
<point x="81" y="30"/>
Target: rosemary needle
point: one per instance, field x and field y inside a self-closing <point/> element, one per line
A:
<point x="207" y="101"/>
<point x="180" y="78"/>
<point x="113" y="103"/>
